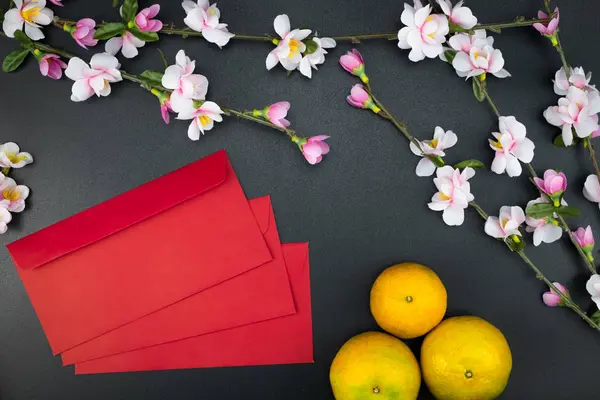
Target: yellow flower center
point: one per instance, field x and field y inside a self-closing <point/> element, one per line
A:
<point x="294" y="45"/>
<point x="444" y="197"/>
<point x="14" y="157"/>
<point x="476" y="54"/>
<point x="30" y="14"/>
<point x="429" y="18"/>
<point x="11" y="194"/>
<point x="497" y="143"/>
<point x="434" y="143"/>
<point x="504" y="222"/>
<point x="211" y="11"/>
<point x="204" y="120"/>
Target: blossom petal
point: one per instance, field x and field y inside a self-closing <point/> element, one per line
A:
<point x="425" y="167"/>
<point x="591" y="189"/>
<point x="492" y="228"/>
<point x="282" y="25"/>
<point x="454" y="216"/>
<point x="104" y="60"/>
<point x="33" y="32"/>
<point x="76" y="69"/>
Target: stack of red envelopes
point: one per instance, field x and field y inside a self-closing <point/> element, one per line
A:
<point x="181" y="272"/>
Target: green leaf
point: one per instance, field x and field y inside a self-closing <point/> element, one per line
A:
<point x="163" y="58"/>
<point x="475" y="164"/>
<point x="129" y="10"/>
<point x="14" y="59"/>
<point x="567" y="211"/>
<point x="24" y="39"/>
<point x="110" y="30"/>
<point x="152" y="78"/>
<point x="596" y="317"/>
<point x="456" y="28"/>
<point x="437" y="160"/>
<point x="540" y="210"/>
<point x="145" y="36"/>
<point x="450" y="54"/>
<point x="558" y="141"/>
<point x="311" y="46"/>
<point x="478" y="89"/>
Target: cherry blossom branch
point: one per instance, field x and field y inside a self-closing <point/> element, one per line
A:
<point x="592" y="152"/>
<point x="566" y="299"/>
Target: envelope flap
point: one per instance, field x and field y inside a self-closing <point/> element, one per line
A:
<point x="120" y="212"/>
<point x="262" y="210"/>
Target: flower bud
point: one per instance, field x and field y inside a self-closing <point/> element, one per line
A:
<point x="353" y="62"/>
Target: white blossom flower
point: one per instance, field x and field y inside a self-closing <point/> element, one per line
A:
<point x="507" y="224"/>
<point x="424" y="32"/>
<point x="591" y="189"/>
<point x="593" y="288"/>
<point x="441" y="141"/>
<point x="578" y="79"/>
<point x="454" y="194"/>
<point x="544" y="229"/>
<point x="459" y="14"/>
<point x="32" y="14"/>
<point x="127" y="43"/>
<point x="94" y="78"/>
<point x="511" y="146"/>
<point x="577" y="111"/>
<point x="186" y="85"/>
<point x="290" y="48"/>
<point x="203" y="118"/>
<point x="476" y="55"/>
<point x="203" y="17"/>
<point x="12" y="157"/>
<point x="310" y="61"/>
<point x="5" y="218"/>
<point x="12" y="196"/>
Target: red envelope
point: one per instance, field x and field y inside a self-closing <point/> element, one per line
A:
<point x="257" y="295"/>
<point x="285" y="340"/>
<point x="139" y="252"/>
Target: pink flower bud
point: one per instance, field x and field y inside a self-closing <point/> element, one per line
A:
<point x="144" y="20"/>
<point x="554" y="185"/>
<point x="360" y="98"/>
<point x="585" y="240"/>
<point x="57" y="2"/>
<point x="83" y="33"/>
<point x="313" y="148"/>
<point x="547" y="30"/>
<point x="353" y="62"/>
<point x="277" y="112"/>
<point x="552" y="299"/>
<point x="51" y="66"/>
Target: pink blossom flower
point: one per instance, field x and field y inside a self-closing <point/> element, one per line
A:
<point x="552" y="299"/>
<point x="591" y="189"/>
<point x="313" y="148"/>
<point x="83" y="33"/>
<point x="575" y="111"/>
<point x="5" y="218"/>
<point x="593" y="288"/>
<point x="507" y="224"/>
<point x="128" y="43"/>
<point x="203" y="17"/>
<point x="57" y="2"/>
<point x="436" y="147"/>
<point x="460" y="15"/>
<point x="186" y="85"/>
<point x="353" y="62"/>
<point x="511" y="146"/>
<point x="165" y="109"/>
<point x="454" y="194"/>
<point x="276" y="113"/>
<point x="577" y="78"/>
<point x="475" y="56"/>
<point x="554" y="185"/>
<point x="585" y="239"/>
<point x="424" y="32"/>
<point x="94" y="78"/>
<point x="546" y="229"/>
<point x="12" y="196"/>
<point x="203" y="118"/>
<point x="547" y="30"/>
<point x="360" y="98"/>
<point x="27" y="16"/>
<point x="51" y="66"/>
<point x="144" y="20"/>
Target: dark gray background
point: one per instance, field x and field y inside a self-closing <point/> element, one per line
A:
<point x="362" y="209"/>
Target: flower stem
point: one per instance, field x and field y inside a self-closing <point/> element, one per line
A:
<point x="291" y="133"/>
<point x="513" y="24"/>
<point x="566" y="299"/>
<point x="563" y="59"/>
<point x="479" y="210"/>
<point x="565" y="226"/>
<point x="490" y="101"/>
<point x="592" y="152"/>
